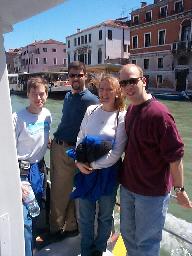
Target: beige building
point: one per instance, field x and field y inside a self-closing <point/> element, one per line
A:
<point x="107" y="42"/>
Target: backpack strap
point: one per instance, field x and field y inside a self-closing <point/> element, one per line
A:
<point x="117" y="123"/>
<point x="94" y="109"/>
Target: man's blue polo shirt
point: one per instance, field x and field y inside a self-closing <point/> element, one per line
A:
<point x="74" y="108"/>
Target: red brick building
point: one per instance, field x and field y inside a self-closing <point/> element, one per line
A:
<point x="161" y="43"/>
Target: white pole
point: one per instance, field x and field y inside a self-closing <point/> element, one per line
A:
<point x="11" y="215"/>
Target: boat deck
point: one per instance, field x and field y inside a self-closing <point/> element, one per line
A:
<point x="68" y="247"/>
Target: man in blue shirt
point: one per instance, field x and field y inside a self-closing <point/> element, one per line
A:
<point x="62" y="217"/>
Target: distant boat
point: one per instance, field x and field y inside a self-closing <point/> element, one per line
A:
<point x="59" y="89"/>
<point x="58" y="83"/>
<point x="181" y="96"/>
<point x="14" y="82"/>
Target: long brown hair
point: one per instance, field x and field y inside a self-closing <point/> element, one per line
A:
<point x="119" y="98"/>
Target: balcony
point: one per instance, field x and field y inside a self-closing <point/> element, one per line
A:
<point x="182" y="47"/>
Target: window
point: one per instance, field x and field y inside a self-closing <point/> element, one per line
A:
<point x="146" y="63"/>
<point x="82" y="39"/>
<point x="148" y="16"/>
<point x="99" y="56"/>
<point x="136" y="19"/>
<point x="135" y="41"/>
<point x="100" y="34"/>
<point x="37" y="51"/>
<point x="64" y="62"/>
<point x="89" y="57"/>
<point x="134" y="62"/>
<point x="163" y="11"/>
<point x="81" y="57"/>
<point x="178" y="7"/>
<point x="64" y="50"/>
<point x="85" y="59"/>
<point x="125" y="47"/>
<point x="109" y="34"/>
<point x="161" y="37"/>
<point x="89" y="38"/>
<point x="147" y="39"/>
<point x="160" y="62"/>
<point x="85" y="39"/>
<point x="79" y="40"/>
<point x="69" y="58"/>
<point x="75" y="41"/>
<point x="159" y="79"/>
<point x="44" y="60"/>
<point x="68" y="44"/>
<point x="54" y="50"/>
<point x="75" y="57"/>
<point x="36" y="61"/>
<point x="55" y="61"/>
<point x="186" y="31"/>
<point x="44" y="49"/>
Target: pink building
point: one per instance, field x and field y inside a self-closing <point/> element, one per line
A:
<point x="43" y="56"/>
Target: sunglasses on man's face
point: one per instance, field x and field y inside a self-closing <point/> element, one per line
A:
<point x="133" y="81"/>
<point x="76" y="75"/>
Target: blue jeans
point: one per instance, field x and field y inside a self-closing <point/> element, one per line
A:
<point x="27" y="232"/>
<point x="29" y="226"/>
<point x="142" y="219"/>
<point x="87" y="210"/>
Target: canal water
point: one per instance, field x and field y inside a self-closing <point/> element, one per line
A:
<point x="179" y="220"/>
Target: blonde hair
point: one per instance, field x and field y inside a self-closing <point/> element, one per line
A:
<point x="119" y="98"/>
<point x="34" y="82"/>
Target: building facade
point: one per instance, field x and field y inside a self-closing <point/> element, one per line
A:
<point x="42" y="56"/>
<point x="10" y="60"/>
<point x="161" y="43"/>
<point x="107" y="42"/>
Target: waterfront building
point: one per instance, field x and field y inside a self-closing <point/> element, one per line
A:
<point x="42" y="56"/>
<point x="11" y="56"/>
<point x="161" y="43"/>
<point x="17" y="61"/>
<point x="107" y="42"/>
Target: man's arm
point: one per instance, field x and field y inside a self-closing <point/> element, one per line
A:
<point x="176" y="169"/>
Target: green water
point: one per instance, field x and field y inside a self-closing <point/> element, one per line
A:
<point x="182" y="112"/>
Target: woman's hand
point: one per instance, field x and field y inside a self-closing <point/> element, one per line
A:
<point x="84" y="167"/>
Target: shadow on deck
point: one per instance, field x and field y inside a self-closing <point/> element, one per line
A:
<point x="70" y="246"/>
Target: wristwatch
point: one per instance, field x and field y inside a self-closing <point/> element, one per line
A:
<point x="179" y="189"/>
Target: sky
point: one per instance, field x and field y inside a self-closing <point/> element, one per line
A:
<point x="64" y="19"/>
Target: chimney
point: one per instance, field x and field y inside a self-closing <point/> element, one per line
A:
<point x="78" y="30"/>
<point x="143" y="4"/>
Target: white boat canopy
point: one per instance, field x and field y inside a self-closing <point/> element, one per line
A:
<point x="14" y="11"/>
<point x="11" y="220"/>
